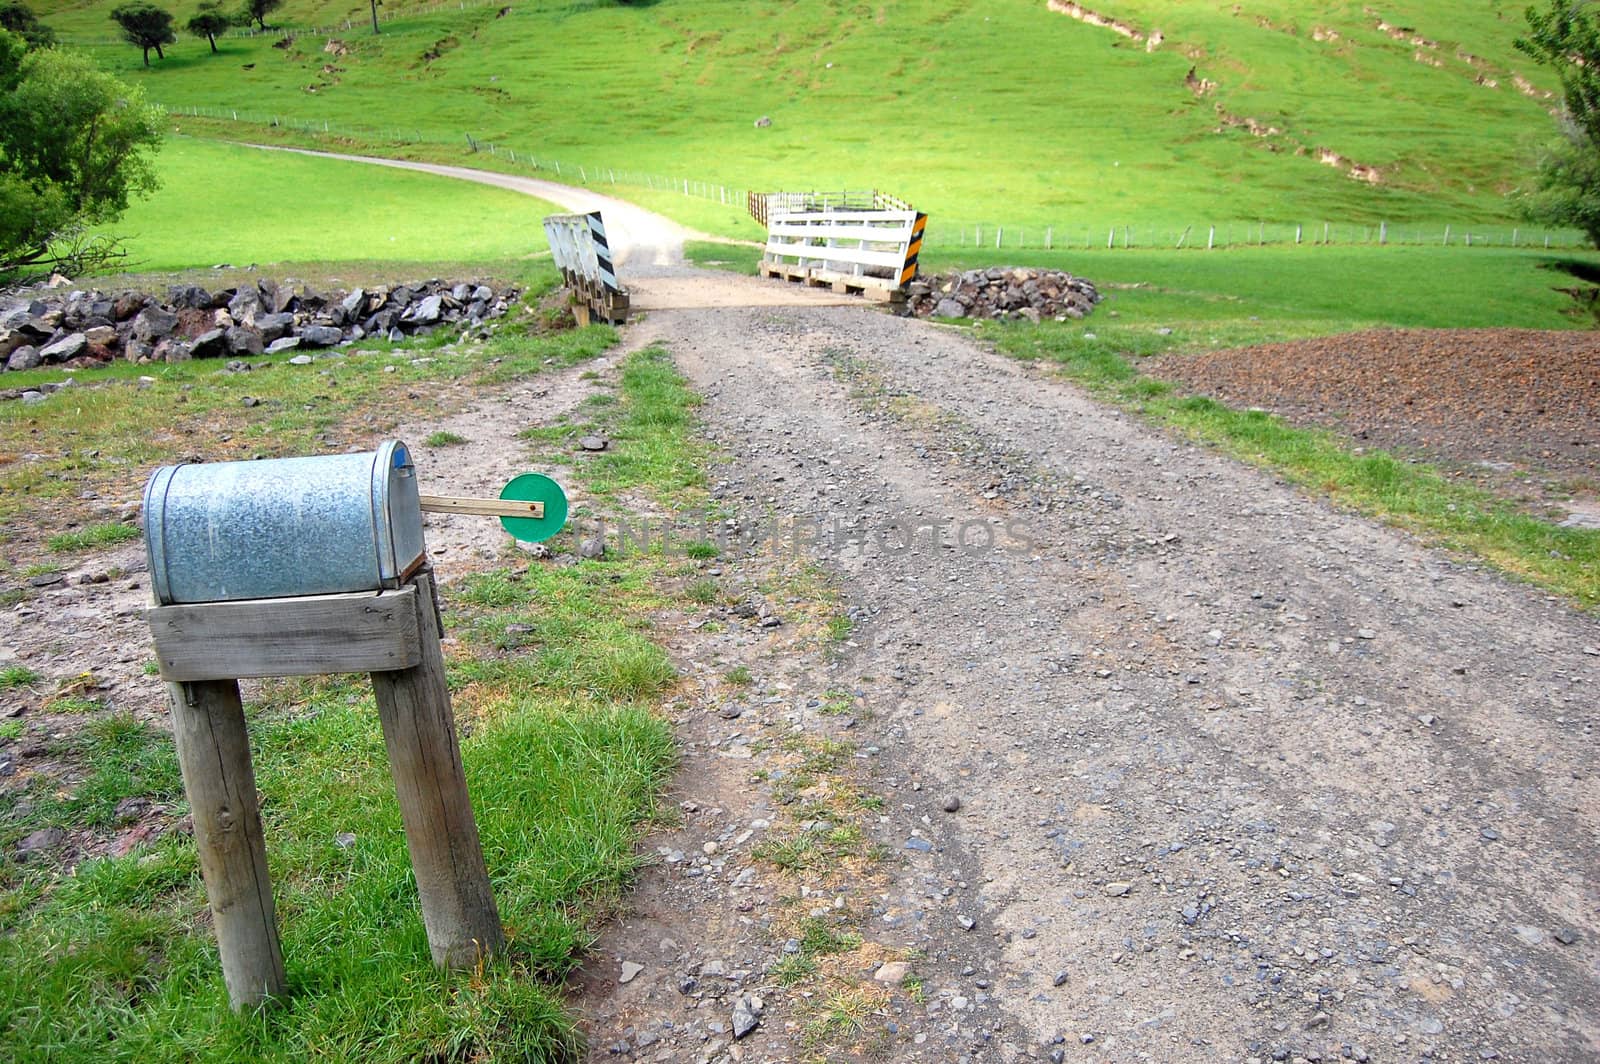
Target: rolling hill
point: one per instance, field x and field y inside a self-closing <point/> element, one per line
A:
<point x="1028" y="112"/>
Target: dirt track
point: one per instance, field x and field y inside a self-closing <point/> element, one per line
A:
<point x="1241" y="777"/>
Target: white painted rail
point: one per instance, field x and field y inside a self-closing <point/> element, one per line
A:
<point x="860" y="248"/>
<point x="583" y="255"/>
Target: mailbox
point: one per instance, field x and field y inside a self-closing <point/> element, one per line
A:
<point x="227" y="531"/>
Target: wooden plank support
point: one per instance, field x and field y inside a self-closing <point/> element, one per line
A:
<point x="452" y="504"/>
<point x="309" y="636"/>
<point x="214" y="757"/>
<point x="458" y="908"/>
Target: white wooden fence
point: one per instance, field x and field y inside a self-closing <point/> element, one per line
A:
<point x="857" y="250"/>
<point x="583" y="255"/>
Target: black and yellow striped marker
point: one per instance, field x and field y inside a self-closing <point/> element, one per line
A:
<point x="913" y="246"/>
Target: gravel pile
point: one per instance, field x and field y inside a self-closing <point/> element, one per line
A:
<point x="1008" y="292"/>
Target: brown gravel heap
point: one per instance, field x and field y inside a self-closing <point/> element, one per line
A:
<point x="1464" y="395"/>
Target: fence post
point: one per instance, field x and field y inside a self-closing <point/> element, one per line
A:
<point x="1297" y="234"/>
<point x="1211" y="238"/>
<point x="1383" y="233"/>
<point x="1049" y="233"/>
<point x="1447" y="235"/>
<point x="999" y="235"/>
<point x="1111" y="238"/>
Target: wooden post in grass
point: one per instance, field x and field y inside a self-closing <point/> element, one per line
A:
<point x="419" y="731"/>
<point x="204" y="650"/>
<point x="214" y="757"/>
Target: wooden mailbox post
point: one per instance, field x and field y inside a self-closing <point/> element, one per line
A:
<point x="206" y="648"/>
<point x="301" y="567"/>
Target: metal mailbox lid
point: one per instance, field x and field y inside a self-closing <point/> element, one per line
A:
<point x="225" y="531"/>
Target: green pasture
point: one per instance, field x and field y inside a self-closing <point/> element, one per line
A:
<point x="1003" y="112"/>
<point x="1274" y="293"/>
<point x="224" y="203"/>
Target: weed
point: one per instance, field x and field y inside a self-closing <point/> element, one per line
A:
<point x="74" y="704"/>
<point x="739" y="676"/>
<point x="843" y="1015"/>
<point x="102" y="535"/>
<point x="837" y="703"/>
<point x="444" y="438"/>
<point x="818" y="937"/>
<point x="793" y="968"/>
<point x="17" y="676"/>
<point x="704" y="591"/>
<point x="11" y="729"/>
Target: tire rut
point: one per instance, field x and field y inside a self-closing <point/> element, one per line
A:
<point x="1241" y="776"/>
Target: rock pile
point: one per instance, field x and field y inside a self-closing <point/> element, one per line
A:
<point x="86" y="328"/>
<point x="1007" y="292"/>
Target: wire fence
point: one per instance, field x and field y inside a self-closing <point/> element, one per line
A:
<point x="1225" y="235"/>
<point x="945" y="235"/>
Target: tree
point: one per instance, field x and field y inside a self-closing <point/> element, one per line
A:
<point x="75" y="147"/>
<point x="145" y="25"/>
<point x="209" y="22"/>
<point x="19" y="18"/>
<point x="1567" y="175"/>
<point x="257" y="11"/>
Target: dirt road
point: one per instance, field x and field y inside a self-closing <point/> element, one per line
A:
<point x="1240" y="777"/>
<point x="1232" y="775"/>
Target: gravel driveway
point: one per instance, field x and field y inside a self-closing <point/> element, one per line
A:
<point x="1240" y="776"/>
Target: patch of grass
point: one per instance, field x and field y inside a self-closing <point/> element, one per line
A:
<point x="17" y="676"/>
<point x="1412" y="495"/>
<point x="703" y="591"/>
<point x="1258" y="295"/>
<point x="837" y="703"/>
<point x="701" y="550"/>
<point x="11" y="729"/>
<point x="713" y="255"/>
<point x="793" y="968"/>
<point x="819" y="937"/>
<point x="103" y="535"/>
<point x="443" y="438"/>
<point x="650" y="448"/>
<point x="842" y="1015"/>
<point x="739" y="676"/>
<point x="499" y="588"/>
<point x="74" y="704"/>
<point x="791" y="852"/>
<point x="282" y="206"/>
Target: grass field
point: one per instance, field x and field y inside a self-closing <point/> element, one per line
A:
<point x="223" y="203"/>
<point x="1005" y="111"/>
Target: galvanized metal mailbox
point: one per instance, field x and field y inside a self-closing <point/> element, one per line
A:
<point x="229" y="531"/>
